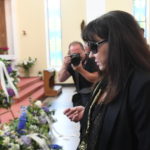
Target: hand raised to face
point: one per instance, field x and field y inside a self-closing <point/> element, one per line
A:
<point x="67" y="60"/>
<point x="77" y="68"/>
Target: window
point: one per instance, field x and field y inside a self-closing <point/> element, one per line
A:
<point x="140" y="13"/>
<point x="54" y="33"/>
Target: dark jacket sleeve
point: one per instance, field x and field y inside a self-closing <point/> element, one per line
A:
<point x="140" y="111"/>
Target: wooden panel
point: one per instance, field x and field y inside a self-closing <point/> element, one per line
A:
<point x="50" y="88"/>
<point x="3" y="35"/>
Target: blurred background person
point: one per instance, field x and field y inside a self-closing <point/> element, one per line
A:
<point x="83" y="70"/>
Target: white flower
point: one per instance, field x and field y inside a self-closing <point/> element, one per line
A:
<point x="17" y="73"/>
<point x="14" y="146"/>
<point x="15" y="69"/>
<point x="6" y="140"/>
<point x="33" y="127"/>
<point x="6" y="128"/>
<point x="30" y="61"/>
<point x="1" y="133"/>
<point x="17" y="147"/>
<point x="15" y="83"/>
<point x="38" y="103"/>
<point x="12" y="79"/>
<point x="18" y="140"/>
<point x="42" y="113"/>
<point x="25" y="62"/>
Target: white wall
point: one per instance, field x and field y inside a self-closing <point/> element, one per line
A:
<point x="125" y="5"/>
<point x="73" y="12"/>
<point x="94" y="9"/>
<point x="30" y="17"/>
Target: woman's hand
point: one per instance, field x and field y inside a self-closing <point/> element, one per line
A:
<point x="75" y="113"/>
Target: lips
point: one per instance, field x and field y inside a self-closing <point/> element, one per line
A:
<point x="98" y="63"/>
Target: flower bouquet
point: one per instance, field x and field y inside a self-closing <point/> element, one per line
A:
<point x="32" y="131"/>
<point x="27" y="65"/>
<point x="12" y="73"/>
<point x="3" y="50"/>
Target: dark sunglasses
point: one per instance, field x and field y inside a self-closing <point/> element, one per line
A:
<point x="94" y="45"/>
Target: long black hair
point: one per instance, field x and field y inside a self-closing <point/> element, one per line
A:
<point x="127" y="47"/>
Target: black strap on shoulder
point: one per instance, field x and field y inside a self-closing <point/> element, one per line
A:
<point x="77" y="81"/>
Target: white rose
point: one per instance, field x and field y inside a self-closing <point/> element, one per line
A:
<point x="38" y="103"/>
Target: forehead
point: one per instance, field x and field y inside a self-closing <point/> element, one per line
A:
<point x="97" y="38"/>
<point x="75" y="48"/>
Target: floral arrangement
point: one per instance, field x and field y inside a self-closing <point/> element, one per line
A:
<point x="13" y="76"/>
<point x="27" y="64"/>
<point x="3" y="49"/>
<point x="32" y="131"/>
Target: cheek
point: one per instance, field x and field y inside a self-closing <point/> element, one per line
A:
<point x="101" y="58"/>
<point x="82" y="55"/>
<point x="105" y="56"/>
<point x="104" y="53"/>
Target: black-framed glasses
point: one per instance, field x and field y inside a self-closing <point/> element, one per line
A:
<point x="94" y="45"/>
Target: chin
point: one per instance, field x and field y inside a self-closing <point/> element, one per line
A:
<point x="101" y="68"/>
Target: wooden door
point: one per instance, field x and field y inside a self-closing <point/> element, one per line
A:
<point x="3" y="35"/>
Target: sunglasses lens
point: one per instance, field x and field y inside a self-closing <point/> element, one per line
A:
<point x="93" y="47"/>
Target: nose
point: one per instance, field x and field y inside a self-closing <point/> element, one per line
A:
<point x="91" y="55"/>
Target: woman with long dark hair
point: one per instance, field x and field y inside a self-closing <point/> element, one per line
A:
<point x="117" y="117"/>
